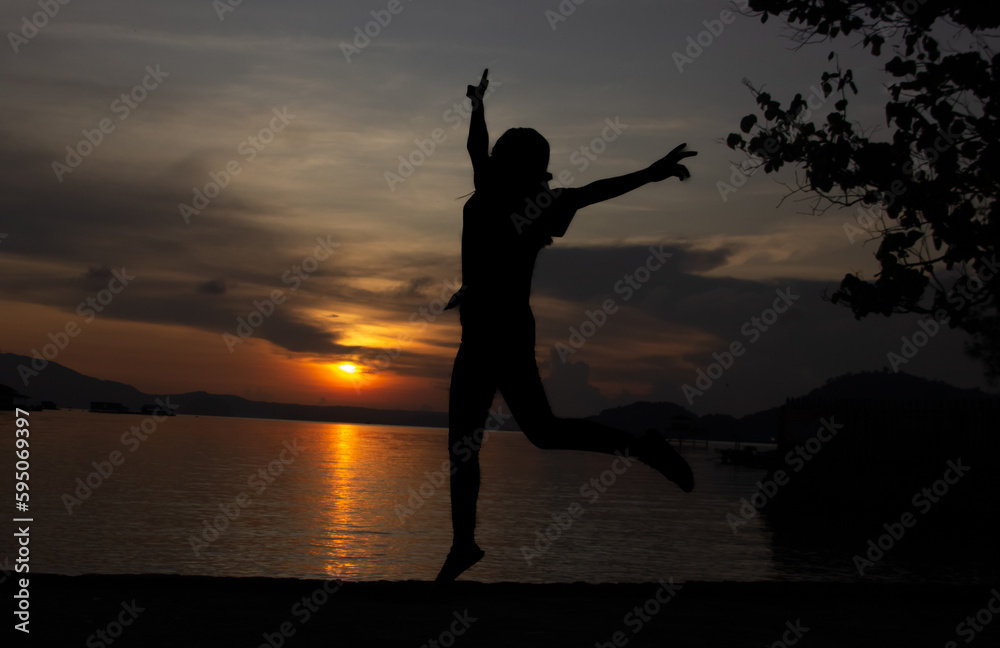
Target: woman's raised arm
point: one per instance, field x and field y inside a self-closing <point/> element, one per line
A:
<point x="479" y="139"/>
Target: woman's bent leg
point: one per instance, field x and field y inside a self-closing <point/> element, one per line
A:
<point x="521" y="387"/>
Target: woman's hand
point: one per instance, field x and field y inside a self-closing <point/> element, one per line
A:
<point x="476" y="92"/>
<point x="669" y="165"/>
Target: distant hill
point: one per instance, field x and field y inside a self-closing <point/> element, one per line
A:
<point x="71" y="389"/>
<point x="642" y="415"/>
<point x="207" y="404"/>
<point x="66" y="387"/>
<point x="74" y="390"/>
<point x="678" y="422"/>
<point x="7" y="398"/>
<point x="886" y="385"/>
<point x="760" y="427"/>
<point x="8" y="392"/>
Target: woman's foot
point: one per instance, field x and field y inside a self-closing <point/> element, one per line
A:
<point x="458" y="561"/>
<point x="657" y="453"/>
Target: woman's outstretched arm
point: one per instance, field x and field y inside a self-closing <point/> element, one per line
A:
<point x="479" y="139"/>
<point x="666" y="167"/>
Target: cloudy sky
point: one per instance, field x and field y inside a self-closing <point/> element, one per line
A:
<point x="297" y="120"/>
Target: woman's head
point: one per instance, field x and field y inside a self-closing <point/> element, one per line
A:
<point x="521" y="155"/>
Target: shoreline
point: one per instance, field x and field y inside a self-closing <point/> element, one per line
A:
<point x="170" y="610"/>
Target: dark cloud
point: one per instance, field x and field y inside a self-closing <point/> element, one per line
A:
<point x="131" y="221"/>
<point x="585" y="272"/>
<point x="411" y="288"/>
<point x="213" y="287"/>
<point x="569" y="390"/>
<point x="95" y="273"/>
<point x="784" y="354"/>
<point x="96" y="277"/>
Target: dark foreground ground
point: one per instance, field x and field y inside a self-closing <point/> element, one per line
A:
<point x="153" y="610"/>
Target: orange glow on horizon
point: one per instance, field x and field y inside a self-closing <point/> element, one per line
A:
<point x="256" y="370"/>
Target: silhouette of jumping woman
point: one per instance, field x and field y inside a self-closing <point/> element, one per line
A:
<point x="509" y="218"/>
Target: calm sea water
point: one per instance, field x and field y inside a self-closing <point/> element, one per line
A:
<point x="343" y="505"/>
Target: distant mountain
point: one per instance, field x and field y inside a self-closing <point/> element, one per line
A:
<point x="642" y="415"/>
<point x="678" y="422"/>
<point x="71" y="389"/>
<point x="886" y="385"/>
<point x="761" y="427"/>
<point x="8" y="392"/>
<point x="66" y="387"/>
<point x="207" y="404"/>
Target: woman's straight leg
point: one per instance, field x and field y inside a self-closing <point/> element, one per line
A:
<point x="471" y="394"/>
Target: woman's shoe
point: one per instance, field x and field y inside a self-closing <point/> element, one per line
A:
<point x="457" y="562"/>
